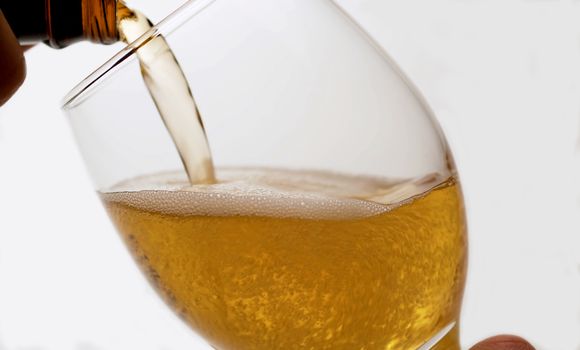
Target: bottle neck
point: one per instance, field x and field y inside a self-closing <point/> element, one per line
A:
<point x="60" y="23"/>
<point x="99" y="21"/>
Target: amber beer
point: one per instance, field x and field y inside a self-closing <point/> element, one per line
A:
<point x="271" y="259"/>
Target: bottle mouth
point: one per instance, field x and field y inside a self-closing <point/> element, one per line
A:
<point x="99" y="21"/>
<point x="91" y="83"/>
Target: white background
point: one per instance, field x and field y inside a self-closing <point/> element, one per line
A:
<point x="503" y="76"/>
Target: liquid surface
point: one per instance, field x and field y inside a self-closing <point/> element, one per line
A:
<point x="172" y="95"/>
<point x="274" y="259"/>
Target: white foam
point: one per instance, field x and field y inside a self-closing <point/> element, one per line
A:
<point x="262" y="192"/>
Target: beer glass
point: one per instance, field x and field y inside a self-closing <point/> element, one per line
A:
<point x="337" y="221"/>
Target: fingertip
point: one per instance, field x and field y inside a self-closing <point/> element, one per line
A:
<point x="12" y="62"/>
<point x="504" y="342"/>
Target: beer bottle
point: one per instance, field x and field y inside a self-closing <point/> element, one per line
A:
<point x="60" y="23"/>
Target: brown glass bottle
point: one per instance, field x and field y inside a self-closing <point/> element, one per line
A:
<point x="60" y="23"/>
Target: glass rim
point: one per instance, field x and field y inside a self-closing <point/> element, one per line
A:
<point x="99" y="76"/>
